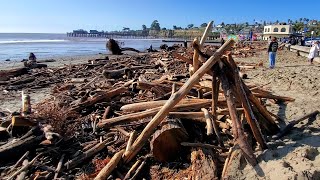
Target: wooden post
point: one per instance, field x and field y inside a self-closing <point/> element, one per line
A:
<point x="174" y="99"/>
<point x="203" y="39"/>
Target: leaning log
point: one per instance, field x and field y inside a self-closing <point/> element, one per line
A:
<point x="174" y="99"/>
<point x="237" y="129"/>
<point x="293" y="123"/>
<point x="165" y="144"/>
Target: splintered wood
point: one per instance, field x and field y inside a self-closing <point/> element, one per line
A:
<point x="139" y="116"/>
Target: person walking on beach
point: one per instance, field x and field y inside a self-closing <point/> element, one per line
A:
<point x="272" y="51"/>
<point x="314" y="51"/>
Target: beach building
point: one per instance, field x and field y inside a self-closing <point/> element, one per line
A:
<point x="279" y="31"/>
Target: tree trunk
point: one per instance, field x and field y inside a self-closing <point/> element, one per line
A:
<point x="165" y="144"/>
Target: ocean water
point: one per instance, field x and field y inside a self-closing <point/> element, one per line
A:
<point x="17" y="46"/>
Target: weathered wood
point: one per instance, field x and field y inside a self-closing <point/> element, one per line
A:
<point x="262" y="110"/>
<point x="139" y="169"/>
<point x="237" y="129"/>
<point x="98" y="98"/>
<point x="7" y="74"/>
<point x="22" y="81"/>
<point x="208" y="121"/>
<point x="25" y="167"/>
<point x="215" y="86"/>
<point x="203" y="164"/>
<point x="153" y="104"/>
<point x="150" y="112"/>
<point x="293" y="122"/>
<point x="59" y="167"/>
<point x="115" y="49"/>
<point x="251" y="119"/>
<point x="132" y="137"/>
<point x="15" y="149"/>
<point x="87" y="154"/>
<point x="165" y="143"/>
<point x="23" y="174"/>
<point x="271" y="96"/>
<point x="209" y="146"/>
<point x="132" y="169"/>
<point x="106" y="112"/>
<point x="112" y="164"/>
<point x="202" y="41"/>
<point x="174" y="99"/>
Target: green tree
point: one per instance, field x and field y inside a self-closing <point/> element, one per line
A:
<point x="144" y="27"/>
<point x="222" y="24"/>
<point x="298" y="26"/>
<point x="155" y="25"/>
<point x="204" y="25"/>
<point x="175" y="27"/>
<point x="190" y="26"/>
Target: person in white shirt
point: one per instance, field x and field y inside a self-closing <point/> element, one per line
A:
<point x="314" y="51"/>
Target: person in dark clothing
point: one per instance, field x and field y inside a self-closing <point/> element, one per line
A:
<point x="272" y="51"/>
<point x="32" y="57"/>
<point x="222" y="41"/>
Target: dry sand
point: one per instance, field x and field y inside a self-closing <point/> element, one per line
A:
<point x="295" y="156"/>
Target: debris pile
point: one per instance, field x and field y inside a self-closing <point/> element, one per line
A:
<point x="143" y="116"/>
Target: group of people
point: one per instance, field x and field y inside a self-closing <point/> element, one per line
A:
<point x="273" y="48"/>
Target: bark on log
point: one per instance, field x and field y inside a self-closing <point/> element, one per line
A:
<point x="89" y="153"/>
<point x="237" y="129"/>
<point x="112" y="164"/>
<point x="165" y="143"/>
<point x="251" y="119"/>
<point x="203" y="165"/>
<point x="98" y="98"/>
<point x="7" y="74"/>
<point x="174" y="99"/>
<point x="14" y="150"/>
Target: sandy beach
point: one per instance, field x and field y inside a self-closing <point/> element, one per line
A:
<point x="295" y="156"/>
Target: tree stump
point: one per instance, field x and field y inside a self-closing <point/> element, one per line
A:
<point x="203" y="164"/>
<point x="165" y="143"/>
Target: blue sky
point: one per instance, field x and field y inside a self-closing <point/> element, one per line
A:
<point x="60" y="16"/>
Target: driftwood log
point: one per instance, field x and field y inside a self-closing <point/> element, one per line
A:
<point x="165" y="144"/>
<point x="7" y="74"/>
<point x="174" y="99"/>
<point x="115" y="49"/>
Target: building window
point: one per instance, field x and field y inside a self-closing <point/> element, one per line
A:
<point x="283" y="29"/>
<point x="265" y="30"/>
<point x="268" y="29"/>
<point x="275" y="30"/>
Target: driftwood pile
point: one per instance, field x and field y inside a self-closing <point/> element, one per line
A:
<point x="143" y="116"/>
